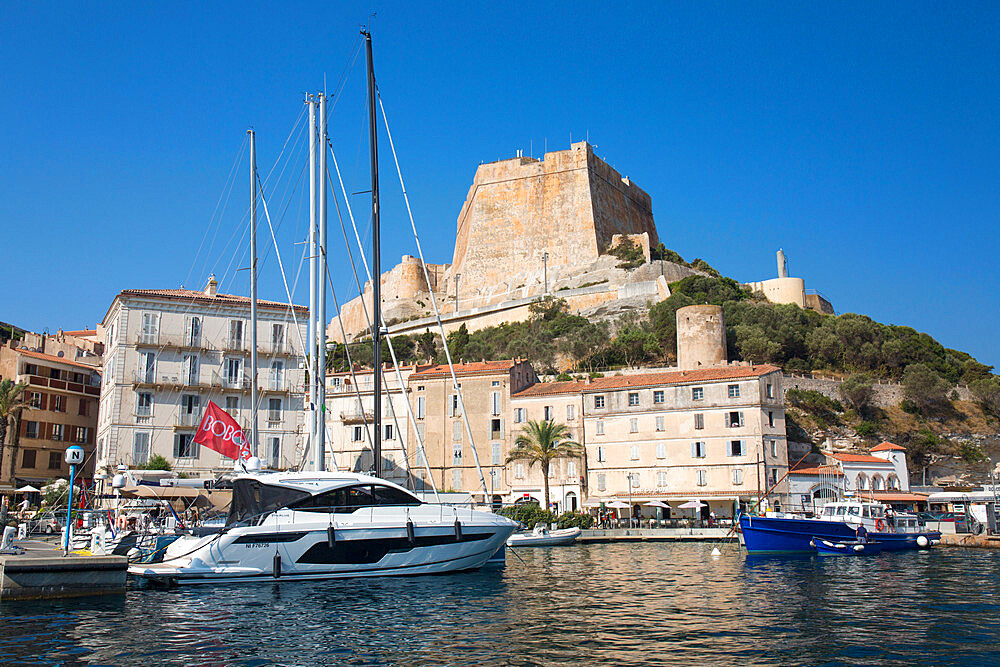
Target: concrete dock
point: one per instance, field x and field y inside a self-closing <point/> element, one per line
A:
<point x="971" y="541"/>
<point x="43" y="572"/>
<point x="593" y="536"/>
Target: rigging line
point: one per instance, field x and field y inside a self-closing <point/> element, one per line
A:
<point x="230" y="181"/>
<point x="288" y="202"/>
<point x="289" y="188"/>
<point x="225" y="207"/>
<point x="437" y="313"/>
<point x="343" y="78"/>
<point x="392" y="351"/>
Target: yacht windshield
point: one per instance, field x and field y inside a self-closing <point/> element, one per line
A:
<point x="251" y="499"/>
<point x="348" y="499"/>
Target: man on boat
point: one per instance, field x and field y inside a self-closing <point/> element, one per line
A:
<point x="862" y="533"/>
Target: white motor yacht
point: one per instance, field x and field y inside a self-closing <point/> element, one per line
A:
<point x="320" y="525"/>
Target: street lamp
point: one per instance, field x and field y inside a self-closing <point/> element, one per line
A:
<point x="493" y="480"/>
<point x="545" y="270"/>
<point x="628" y="477"/>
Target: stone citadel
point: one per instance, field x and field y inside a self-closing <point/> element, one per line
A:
<point x="530" y="227"/>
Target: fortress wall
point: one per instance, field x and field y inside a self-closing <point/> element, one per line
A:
<point x="619" y="206"/>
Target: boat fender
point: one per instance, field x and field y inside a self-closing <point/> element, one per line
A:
<point x="922" y="541"/>
<point x="458" y="530"/>
<point x="859" y="548"/>
<point x="935" y="542"/>
<point x="331" y="536"/>
<point x="411" y="533"/>
<point x="277" y="565"/>
<point x="879" y="525"/>
<point x="812" y="543"/>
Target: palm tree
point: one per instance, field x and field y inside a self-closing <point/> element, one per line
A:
<point x="11" y="404"/>
<point x="542" y="442"/>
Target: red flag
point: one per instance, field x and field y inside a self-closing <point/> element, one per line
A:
<point x="220" y="432"/>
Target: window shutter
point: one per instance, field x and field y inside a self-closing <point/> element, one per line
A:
<point x="694" y="450"/>
<point x="45" y="400"/>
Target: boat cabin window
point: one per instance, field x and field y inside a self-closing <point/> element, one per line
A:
<point x="865" y="511"/>
<point x="828" y="510"/>
<point x="854" y="510"/>
<point x="252" y="499"/>
<point x="841" y="510"/>
<point x="348" y="499"/>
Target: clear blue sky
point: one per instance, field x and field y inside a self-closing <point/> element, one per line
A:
<point x="863" y="140"/>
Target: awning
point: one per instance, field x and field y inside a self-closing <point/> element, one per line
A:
<point x="27" y="488"/>
<point x="161" y="492"/>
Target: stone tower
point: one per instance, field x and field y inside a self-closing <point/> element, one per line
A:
<point x="568" y="205"/>
<point x="701" y="337"/>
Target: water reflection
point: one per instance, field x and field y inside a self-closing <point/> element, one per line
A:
<point x="627" y="604"/>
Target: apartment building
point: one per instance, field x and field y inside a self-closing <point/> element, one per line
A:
<point x="350" y="418"/>
<point x="713" y="434"/>
<point x="486" y="390"/>
<point x="169" y="352"/>
<point x="62" y="397"/>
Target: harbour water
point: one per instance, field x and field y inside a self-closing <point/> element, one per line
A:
<point x="622" y="604"/>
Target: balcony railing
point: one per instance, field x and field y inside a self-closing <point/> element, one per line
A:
<point x="146" y="379"/>
<point x="187" y="419"/>
<point x="232" y="344"/>
<point x="356" y="417"/>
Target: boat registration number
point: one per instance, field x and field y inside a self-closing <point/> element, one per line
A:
<point x="258" y="545"/>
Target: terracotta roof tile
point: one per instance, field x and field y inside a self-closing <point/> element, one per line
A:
<point x="50" y="357"/>
<point x="81" y="332"/>
<point x="466" y="369"/>
<point x="886" y="446"/>
<point x="857" y="458"/>
<point x="648" y="380"/>
<point x="896" y="496"/>
<point x="193" y="296"/>
<point x="830" y="470"/>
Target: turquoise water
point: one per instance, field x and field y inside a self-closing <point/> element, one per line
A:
<point x="622" y="604"/>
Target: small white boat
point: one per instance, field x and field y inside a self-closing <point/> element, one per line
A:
<point x="543" y="537"/>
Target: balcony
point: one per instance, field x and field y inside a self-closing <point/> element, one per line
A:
<point x="240" y="382"/>
<point x="236" y="345"/>
<point x="356" y="417"/>
<point x="169" y="380"/>
<point x="276" y="349"/>
<point x="183" y="342"/>
<point x="187" y="419"/>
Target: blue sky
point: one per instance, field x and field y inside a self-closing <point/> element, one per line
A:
<point x="863" y="140"/>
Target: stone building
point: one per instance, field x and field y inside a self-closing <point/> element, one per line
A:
<point x="786" y="289"/>
<point x="169" y="352"/>
<point x="62" y="397"/>
<point x="714" y="434"/>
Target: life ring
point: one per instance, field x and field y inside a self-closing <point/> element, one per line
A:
<point x="879" y="525"/>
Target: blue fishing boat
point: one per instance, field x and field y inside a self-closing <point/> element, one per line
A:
<point x="839" y="521"/>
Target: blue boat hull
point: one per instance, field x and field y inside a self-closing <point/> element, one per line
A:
<point x="763" y="535"/>
<point x="826" y="548"/>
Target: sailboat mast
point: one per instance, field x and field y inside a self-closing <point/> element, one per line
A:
<point x="313" y="265"/>
<point x="253" y="292"/>
<point x="376" y="262"/>
<point x="321" y="289"/>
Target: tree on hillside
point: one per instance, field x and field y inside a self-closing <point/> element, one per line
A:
<point x="11" y="404"/>
<point x="858" y="391"/>
<point x="426" y="345"/>
<point x="542" y="442"/>
<point x="925" y="389"/>
<point x="986" y="393"/>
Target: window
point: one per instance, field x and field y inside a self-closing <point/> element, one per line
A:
<point x="633" y="398"/>
<point x="31" y="429"/>
<point x="35" y="399"/>
<point x="736" y="448"/>
<point x="190" y="369"/>
<point x="57" y="432"/>
<point x="277" y="337"/>
<point x="495" y="403"/>
<point x="697" y="393"/>
<point x="80" y="434"/>
<point x="55" y="460"/>
<point x="274" y="409"/>
<point x="456" y="408"/>
<point x="30" y="369"/>
<point x="420" y="387"/>
<point x="661" y="478"/>
<point x="734" y="391"/>
<point x="633" y="452"/>
<point x="232" y="404"/>
<point x="140" y="447"/>
<point x="518" y="415"/>
<point x="388" y="432"/>
<point x="774" y="448"/>
<point x="702" y="477"/>
<point x="358" y="434"/>
<point x="734" y="419"/>
<point x="55" y="373"/>
<point x="518" y="471"/>
<point x="234" y="368"/>
<point x="774" y="477"/>
<point x="553" y="469"/>
<point x="632" y="478"/>
<point x="456" y="479"/>
<point x="571" y="468"/>
<point x="456" y="453"/>
<point x="658" y="396"/>
<point x="496" y="428"/>
<point x="150" y="325"/>
<point x="547" y="411"/>
<point x="737" y="476"/>
<point x="495" y="383"/>
<point x="421" y="407"/>
<point x="420" y="431"/>
<point x="601" y="455"/>
<point x="78" y="377"/>
<point x="570" y="412"/>
<point x="660" y="423"/>
<point x="147" y="367"/>
<point x="28" y="458"/>
<point x="598" y="401"/>
<point x="698" y="450"/>
<point x="84" y="408"/>
<point x="277" y="375"/>
<point x="236" y="334"/>
<point x="770" y="418"/>
<point x="274" y="452"/>
<point x="600" y="428"/>
<point x="699" y="420"/>
<point x="58" y="403"/>
<point x="862" y="482"/>
<point x="602" y="482"/>
<point x="769" y="390"/>
<point x="190" y="409"/>
<point x="661" y="450"/>
<point x="184" y="446"/>
<point x="495" y="453"/>
<point x="192" y="332"/>
<point x="456" y="430"/>
<point x="144" y="404"/>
